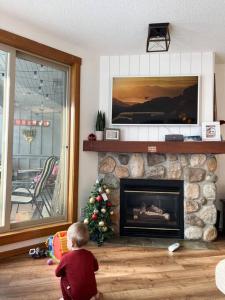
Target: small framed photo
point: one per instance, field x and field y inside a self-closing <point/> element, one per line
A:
<point x="211" y="131"/>
<point x="111" y="134"/>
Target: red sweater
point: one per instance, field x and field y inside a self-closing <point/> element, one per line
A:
<point x="76" y="270"/>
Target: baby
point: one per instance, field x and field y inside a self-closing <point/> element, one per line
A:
<point x="77" y="267"/>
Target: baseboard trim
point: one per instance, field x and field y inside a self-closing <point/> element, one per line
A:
<point x="19" y="251"/>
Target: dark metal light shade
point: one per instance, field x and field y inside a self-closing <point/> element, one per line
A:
<point x="158" y="37"/>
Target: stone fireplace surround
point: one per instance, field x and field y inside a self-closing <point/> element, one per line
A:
<point x="197" y="171"/>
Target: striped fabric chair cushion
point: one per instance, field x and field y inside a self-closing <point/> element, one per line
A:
<point x="21" y="199"/>
<point x="46" y="172"/>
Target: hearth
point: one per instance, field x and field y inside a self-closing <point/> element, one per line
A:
<point x="152" y="208"/>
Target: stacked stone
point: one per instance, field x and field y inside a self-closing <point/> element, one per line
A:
<point x="197" y="171"/>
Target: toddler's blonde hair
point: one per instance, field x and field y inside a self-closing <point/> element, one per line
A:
<point x="78" y="234"/>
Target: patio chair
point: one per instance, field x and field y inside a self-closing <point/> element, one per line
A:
<point x="35" y="195"/>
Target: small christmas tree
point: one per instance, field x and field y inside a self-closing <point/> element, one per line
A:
<point x="98" y="212"/>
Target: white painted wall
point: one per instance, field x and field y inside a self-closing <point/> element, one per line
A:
<point x="220" y="99"/>
<point x="154" y="64"/>
<point x="159" y="64"/>
<point x="89" y="100"/>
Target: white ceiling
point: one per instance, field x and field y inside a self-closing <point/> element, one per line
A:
<point x="109" y="27"/>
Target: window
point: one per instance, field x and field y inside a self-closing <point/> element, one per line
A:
<point x="39" y="119"/>
<point x="7" y="58"/>
<point x="40" y="142"/>
<point x="3" y="76"/>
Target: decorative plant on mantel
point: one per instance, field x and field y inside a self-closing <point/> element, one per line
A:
<point x="29" y="134"/>
<point x="100" y="125"/>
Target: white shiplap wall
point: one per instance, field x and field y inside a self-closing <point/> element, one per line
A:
<point x="158" y="64"/>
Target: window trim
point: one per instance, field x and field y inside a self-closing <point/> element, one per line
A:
<point x="34" y="48"/>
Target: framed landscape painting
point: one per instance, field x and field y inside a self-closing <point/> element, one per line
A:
<point x="170" y="100"/>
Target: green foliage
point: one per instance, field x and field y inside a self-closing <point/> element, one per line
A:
<point x="98" y="212"/>
<point x="100" y="121"/>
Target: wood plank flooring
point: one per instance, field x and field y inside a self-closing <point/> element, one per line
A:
<point x="133" y="273"/>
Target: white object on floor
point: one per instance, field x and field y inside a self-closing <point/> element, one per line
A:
<point x="220" y="276"/>
<point x="173" y="247"/>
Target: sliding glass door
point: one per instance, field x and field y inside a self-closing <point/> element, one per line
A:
<point x="7" y="76"/>
<point x="3" y="73"/>
<point x="34" y="141"/>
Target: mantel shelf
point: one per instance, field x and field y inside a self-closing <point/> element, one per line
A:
<point x="155" y="147"/>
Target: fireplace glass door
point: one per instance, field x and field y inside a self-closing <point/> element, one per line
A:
<point x="151" y="207"/>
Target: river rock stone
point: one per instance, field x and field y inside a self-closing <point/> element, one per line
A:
<point x="194" y="174"/>
<point x="211" y="163"/>
<point x="156" y="172"/>
<point x="111" y="180"/>
<point x="211" y="177"/>
<point x="202" y="201"/>
<point x="136" y="165"/>
<point x="116" y="215"/>
<point x="197" y="160"/>
<point x="123" y="159"/>
<point x="193" y="233"/>
<point x="209" y="234"/>
<point x="174" y="170"/>
<point x="107" y="165"/>
<point x="184" y="160"/>
<point x="194" y="220"/>
<point x="209" y="191"/>
<point x="154" y="159"/>
<point x="121" y="172"/>
<point x="191" y="206"/>
<point x="116" y="229"/>
<point x="171" y="157"/>
<point x="101" y="155"/>
<point x="208" y="214"/>
<point x="115" y="197"/>
<point x="192" y="190"/>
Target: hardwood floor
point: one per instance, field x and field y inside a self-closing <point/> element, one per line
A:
<point x="133" y="273"/>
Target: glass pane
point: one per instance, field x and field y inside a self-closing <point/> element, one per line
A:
<point x="39" y="142"/>
<point x="3" y="70"/>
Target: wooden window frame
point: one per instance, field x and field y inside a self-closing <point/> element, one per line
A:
<point x="26" y="45"/>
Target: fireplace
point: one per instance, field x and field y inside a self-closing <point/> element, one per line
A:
<point x="152" y="208"/>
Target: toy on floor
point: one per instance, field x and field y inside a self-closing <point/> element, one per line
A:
<point x="50" y="262"/>
<point x="38" y="252"/>
<point x="57" y="245"/>
<point x="173" y="247"/>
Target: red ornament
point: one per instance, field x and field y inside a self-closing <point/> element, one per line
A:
<point x="99" y="198"/>
<point x="108" y="204"/>
<point x="94" y="217"/>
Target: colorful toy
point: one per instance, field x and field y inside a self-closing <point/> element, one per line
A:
<point x="38" y="252"/>
<point x="50" y="262"/>
<point x="57" y="245"/>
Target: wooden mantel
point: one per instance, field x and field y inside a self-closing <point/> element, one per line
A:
<point x="154" y="147"/>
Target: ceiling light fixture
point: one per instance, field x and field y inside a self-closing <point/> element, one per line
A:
<point x="158" y="37"/>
